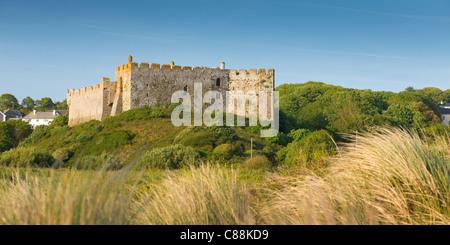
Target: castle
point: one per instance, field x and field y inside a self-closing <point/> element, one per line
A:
<point x="149" y="85"/>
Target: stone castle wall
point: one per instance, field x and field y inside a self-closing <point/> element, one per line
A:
<point x="91" y="103"/>
<point x="142" y="84"/>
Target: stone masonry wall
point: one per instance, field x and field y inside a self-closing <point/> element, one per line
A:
<point x="149" y="85"/>
<point x="155" y="85"/>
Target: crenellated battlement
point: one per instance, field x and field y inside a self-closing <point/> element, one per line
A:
<point x="155" y="66"/>
<point x="105" y="83"/>
<point x="261" y="72"/>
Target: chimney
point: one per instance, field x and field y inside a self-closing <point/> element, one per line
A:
<point x="172" y="64"/>
<point x="34" y="112"/>
<point x="130" y="59"/>
<point x="54" y="112"/>
<point x="222" y="65"/>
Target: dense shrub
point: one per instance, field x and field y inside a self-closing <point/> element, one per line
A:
<point x="280" y="139"/>
<point x="13" y="132"/>
<point x="62" y="155"/>
<point x="39" y="133"/>
<point x="437" y="131"/>
<point x="27" y="157"/>
<point x="104" y="161"/>
<point x="227" y="151"/>
<point x="299" y="134"/>
<point x="60" y="121"/>
<point x="5" y="137"/>
<point x="257" y="162"/>
<point x="205" y="138"/>
<point x="170" y="157"/>
<point x="310" y="151"/>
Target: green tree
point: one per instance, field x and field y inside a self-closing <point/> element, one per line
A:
<point x="45" y="103"/>
<point x="20" y="130"/>
<point x="399" y="115"/>
<point x="348" y="111"/>
<point x="5" y="137"/>
<point x="12" y="132"/>
<point x="28" y="103"/>
<point x="8" y="101"/>
<point x="435" y="95"/>
<point x="410" y="89"/>
<point x="427" y="112"/>
<point x="61" y="105"/>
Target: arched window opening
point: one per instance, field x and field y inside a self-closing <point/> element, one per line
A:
<point x="185" y="88"/>
<point x="218" y="82"/>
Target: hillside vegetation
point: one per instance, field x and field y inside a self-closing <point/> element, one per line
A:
<point x="343" y="156"/>
<point x="313" y="118"/>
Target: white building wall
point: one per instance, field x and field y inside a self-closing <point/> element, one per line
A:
<point x="446" y="119"/>
<point x="37" y="122"/>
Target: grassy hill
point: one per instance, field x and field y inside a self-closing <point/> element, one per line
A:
<point x="128" y="136"/>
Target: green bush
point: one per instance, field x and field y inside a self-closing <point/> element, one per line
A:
<point x="279" y="139"/>
<point x="13" y="132"/>
<point x="104" y="161"/>
<point x="299" y="134"/>
<point x="227" y="151"/>
<point x="62" y="155"/>
<point x="258" y="162"/>
<point x="310" y="151"/>
<point x="27" y="157"/>
<point x="5" y="137"/>
<point x="39" y="133"/>
<point x="170" y="157"/>
<point x="205" y="139"/>
<point x="437" y="131"/>
<point x="60" y="121"/>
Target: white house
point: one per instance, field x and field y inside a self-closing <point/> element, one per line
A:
<point x="445" y="111"/>
<point x="43" y="118"/>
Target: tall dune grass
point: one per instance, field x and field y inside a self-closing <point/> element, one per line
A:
<point x="389" y="177"/>
<point x="70" y="197"/>
<point x="207" y="195"/>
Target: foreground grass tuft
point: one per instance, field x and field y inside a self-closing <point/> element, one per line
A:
<point x="208" y="195"/>
<point x="389" y="177"/>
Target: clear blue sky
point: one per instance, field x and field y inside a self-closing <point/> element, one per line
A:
<point x="47" y="47"/>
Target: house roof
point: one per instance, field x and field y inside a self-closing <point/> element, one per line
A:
<point x="62" y="112"/>
<point x="444" y="111"/>
<point x="13" y="114"/>
<point x="45" y="114"/>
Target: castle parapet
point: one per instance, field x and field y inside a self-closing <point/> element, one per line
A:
<point x="166" y="67"/>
